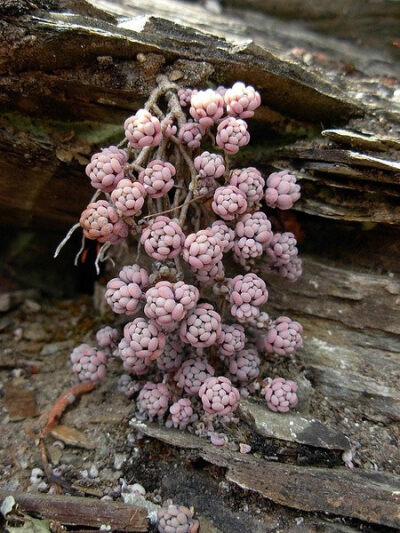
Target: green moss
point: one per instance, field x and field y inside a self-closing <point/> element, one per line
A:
<point x="95" y="133"/>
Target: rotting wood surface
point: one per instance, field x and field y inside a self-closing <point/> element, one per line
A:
<point x="79" y="511"/>
<point x="370" y="496"/>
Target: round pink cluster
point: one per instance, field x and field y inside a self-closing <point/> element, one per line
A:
<point x="250" y="182"/>
<point x="131" y="362"/>
<point x="127" y="386"/>
<point x="209" y="165"/>
<point x="254" y="233"/>
<point x="185" y="95"/>
<point x="283" y="337"/>
<point x="231" y="340"/>
<point x="145" y="339"/>
<point x="202" y="326"/>
<point x="201" y="250"/>
<point x="153" y="400"/>
<point x="282" y="190"/>
<point x="143" y="129"/>
<point x="163" y="238"/>
<point x="280" y="395"/>
<point x="232" y="134"/>
<point x="124" y="293"/>
<point x="224" y="235"/>
<point x="219" y="396"/>
<point x="191" y="134"/>
<point x="247" y="293"/>
<point x="168" y="303"/>
<point x="107" y="336"/>
<point x="205" y="275"/>
<point x="171" y="358"/>
<point x="106" y="168"/>
<point x="157" y="178"/>
<point x="174" y="519"/>
<point x="242" y="101"/>
<point x="229" y="202"/>
<point x="245" y="365"/>
<point x="206" y="107"/>
<point x="282" y="249"/>
<point x="88" y="363"/>
<point x="181" y="413"/>
<point x="292" y="270"/>
<point x="101" y="221"/>
<point x="192" y="374"/>
<point x="128" y="197"/>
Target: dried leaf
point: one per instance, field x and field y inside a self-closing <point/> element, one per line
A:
<point x="71" y="436"/>
<point x="20" y="403"/>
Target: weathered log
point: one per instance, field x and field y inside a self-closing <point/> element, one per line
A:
<point x="370" y="496"/>
<point x="77" y="511"/>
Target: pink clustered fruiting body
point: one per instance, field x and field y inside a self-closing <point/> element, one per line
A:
<point x="106" y="169"/>
<point x="176" y="519"/>
<point x="157" y="178"/>
<point x="280" y="395"/>
<point x="88" y="363"/>
<point x="190" y="213"/>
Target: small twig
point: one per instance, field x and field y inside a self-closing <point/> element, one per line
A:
<point x="178" y="267"/>
<point x="61" y="404"/>
<point x="186" y="203"/>
<point x="226" y="159"/>
<point x="143" y="155"/>
<point x="139" y="249"/>
<point x="164" y="85"/>
<point x="122" y="143"/>
<point x="185" y="206"/>
<point x="157" y="111"/>
<point x="134" y="166"/>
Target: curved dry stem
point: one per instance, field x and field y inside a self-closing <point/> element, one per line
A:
<point x="186" y="203"/>
<point x="100" y="256"/>
<point x="80" y="251"/>
<point x="66" y="239"/>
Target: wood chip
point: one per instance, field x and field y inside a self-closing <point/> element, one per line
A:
<point x="71" y="436"/>
<point x="19" y="402"/>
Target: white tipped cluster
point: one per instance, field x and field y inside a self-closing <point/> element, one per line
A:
<point x="185" y="95"/>
<point x="231" y="340"/>
<point x="280" y="395"/>
<point x="171" y="358"/>
<point x="191" y="134"/>
<point x="181" y="413"/>
<point x="163" y="238"/>
<point x="106" y="168"/>
<point x="143" y="129"/>
<point x="219" y="396"/>
<point x="128" y="197"/>
<point x="282" y="249"/>
<point x="107" y="336"/>
<point x="153" y="400"/>
<point x="283" y="337"/>
<point x="229" y="202"/>
<point x="169" y="128"/>
<point x="124" y="293"/>
<point x="131" y="362"/>
<point x="157" y="178"/>
<point x="202" y="326"/>
<point x="100" y="221"/>
<point x="174" y="519"/>
<point x="242" y="101"/>
<point x="206" y="107"/>
<point x="145" y="339"/>
<point x="192" y="374"/>
<point x="232" y="134"/>
<point x="168" y="303"/>
<point x="247" y="293"/>
<point x="250" y="182"/>
<point x="201" y="250"/>
<point x="244" y="366"/>
<point x="88" y="363"/>
<point x="224" y="235"/>
<point x="282" y="190"/>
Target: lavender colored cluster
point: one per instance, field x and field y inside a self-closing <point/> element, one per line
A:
<point x="280" y="395"/>
<point x="203" y="239"/>
<point x="88" y="363"/>
<point x="174" y="519"/>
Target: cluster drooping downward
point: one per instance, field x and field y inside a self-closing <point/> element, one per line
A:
<point x="191" y="318"/>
